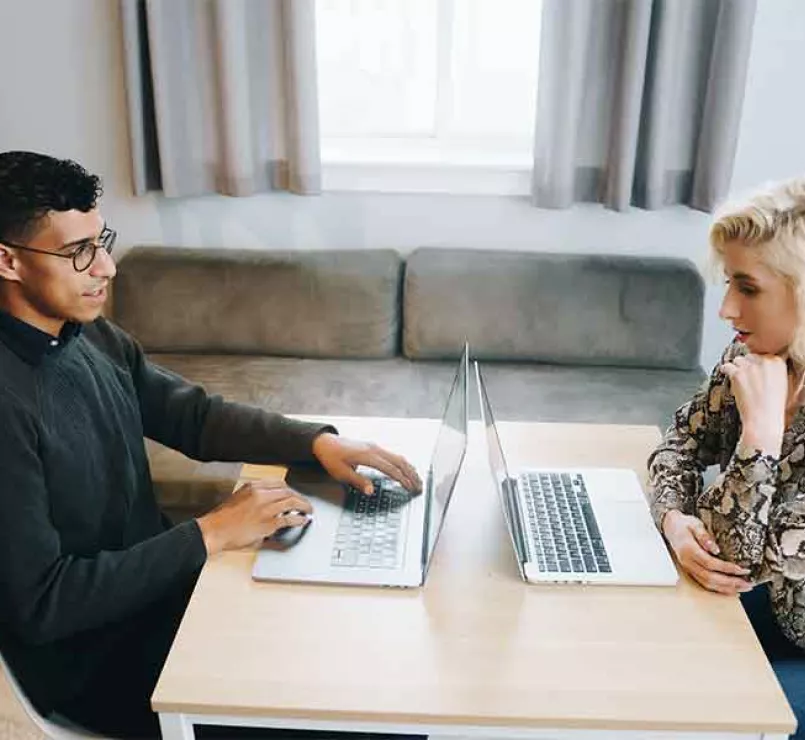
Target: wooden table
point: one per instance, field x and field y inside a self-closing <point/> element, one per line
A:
<point x="476" y="652"/>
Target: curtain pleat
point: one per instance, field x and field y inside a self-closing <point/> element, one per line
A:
<point x="222" y="96"/>
<point x="639" y="101"/>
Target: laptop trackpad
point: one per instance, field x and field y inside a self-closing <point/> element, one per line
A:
<point x="615" y="485"/>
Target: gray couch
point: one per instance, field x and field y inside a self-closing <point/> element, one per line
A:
<point x="562" y="337"/>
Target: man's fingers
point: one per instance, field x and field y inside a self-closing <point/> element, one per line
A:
<point x="341" y="457"/>
<point x="346" y="474"/>
<point x="291" y="520"/>
<point x="410" y="478"/>
<point x="290" y="502"/>
<point x="297" y="503"/>
<point x="394" y="467"/>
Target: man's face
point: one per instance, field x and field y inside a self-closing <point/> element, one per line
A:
<point x="759" y="303"/>
<point x="46" y="290"/>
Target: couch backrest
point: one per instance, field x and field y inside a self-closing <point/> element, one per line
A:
<point x="339" y="303"/>
<point x="557" y="308"/>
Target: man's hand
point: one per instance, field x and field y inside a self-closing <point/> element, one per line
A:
<point x="256" y="510"/>
<point x="340" y="456"/>
<point x="695" y="550"/>
<point x="760" y="386"/>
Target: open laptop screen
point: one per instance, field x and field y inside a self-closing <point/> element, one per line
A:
<point x="500" y="471"/>
<point x="448" y="454"/>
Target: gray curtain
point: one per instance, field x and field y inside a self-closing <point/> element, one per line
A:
<point x="222" y="95"/>
<point x="639" y="101"/>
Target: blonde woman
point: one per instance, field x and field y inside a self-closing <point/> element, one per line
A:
<point x="745" y="533"/>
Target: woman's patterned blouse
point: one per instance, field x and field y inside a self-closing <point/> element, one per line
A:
<point x="755" y="508"/>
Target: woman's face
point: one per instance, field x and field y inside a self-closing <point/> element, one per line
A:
<point x="759" y="303"/>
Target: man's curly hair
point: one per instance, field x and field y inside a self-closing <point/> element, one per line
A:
<point x="33" y="184"/>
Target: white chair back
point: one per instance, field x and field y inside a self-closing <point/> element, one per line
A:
<point x="24" y="722"/>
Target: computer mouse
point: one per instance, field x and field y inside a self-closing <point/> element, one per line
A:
<point x="286" y="537"/>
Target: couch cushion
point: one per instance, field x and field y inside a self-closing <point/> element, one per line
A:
<point x="557" y="308"/>
<point x="399" y="387"/>
<point x="303" y="304"/>
<point x="391" y="387"/>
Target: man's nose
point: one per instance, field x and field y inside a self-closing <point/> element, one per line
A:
<point x="103" y="265"/>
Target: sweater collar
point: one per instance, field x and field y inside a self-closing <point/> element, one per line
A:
<point x="31" y="344"/>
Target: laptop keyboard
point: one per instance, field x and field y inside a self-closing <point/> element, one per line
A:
<point x="371" y="530"/>
<point x="562" y="524"/>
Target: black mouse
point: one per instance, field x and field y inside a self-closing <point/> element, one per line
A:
<point x="286" y="537"/>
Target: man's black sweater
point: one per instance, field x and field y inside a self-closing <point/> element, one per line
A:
<point x="83" y="545"/>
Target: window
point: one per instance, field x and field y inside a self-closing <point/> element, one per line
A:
<point x="427" y="94"/>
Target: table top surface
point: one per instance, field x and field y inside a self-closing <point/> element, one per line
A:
<point x="476" y="646"/>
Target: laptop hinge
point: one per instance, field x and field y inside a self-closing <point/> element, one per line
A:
<point x="428" y="492"/>
<point x="512" y="504"/>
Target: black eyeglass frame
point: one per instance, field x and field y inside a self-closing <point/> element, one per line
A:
<point x="105" y="240"/>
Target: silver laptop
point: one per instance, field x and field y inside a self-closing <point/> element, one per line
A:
<point x="588" y="525"/>
<point x="386" y="539"/>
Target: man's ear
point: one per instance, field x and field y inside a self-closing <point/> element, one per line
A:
<point x="8" y="265"/>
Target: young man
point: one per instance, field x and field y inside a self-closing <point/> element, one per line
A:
<point x="93" y="578"/>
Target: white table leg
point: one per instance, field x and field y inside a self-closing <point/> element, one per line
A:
<point x="176" y="727"/>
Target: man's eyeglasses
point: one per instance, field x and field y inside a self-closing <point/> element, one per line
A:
<point x="84" y="254"/>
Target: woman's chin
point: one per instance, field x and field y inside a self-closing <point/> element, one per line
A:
<point x="753" y="347"/>
<point x="758" y="348"/>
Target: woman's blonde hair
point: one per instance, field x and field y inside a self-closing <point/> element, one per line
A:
<point x="771" y="220"/>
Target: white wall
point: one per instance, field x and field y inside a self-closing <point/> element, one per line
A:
<point x="61" y="92"/>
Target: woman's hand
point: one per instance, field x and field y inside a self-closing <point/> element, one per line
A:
<point x="760" y="386"/>
<point x="695" y="549"/>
